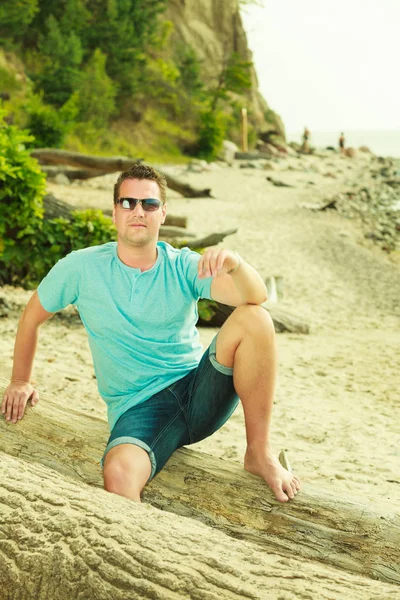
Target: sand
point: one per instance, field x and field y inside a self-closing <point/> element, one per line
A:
<point x="337" y="408"/>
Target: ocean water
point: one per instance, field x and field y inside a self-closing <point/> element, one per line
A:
<point x="382" y="143"/>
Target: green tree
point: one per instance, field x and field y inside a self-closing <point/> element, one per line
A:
<point x="96" y="92"/>
<point x="235" y="77"/>
<point x="126" y="31"/>
<point x="15" y="18"/>
<point x="62" y="55"/>
<point x="189" y="67"/>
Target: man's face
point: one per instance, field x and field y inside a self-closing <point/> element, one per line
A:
<point x="138" y="227"/>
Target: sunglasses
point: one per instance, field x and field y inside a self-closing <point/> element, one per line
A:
<point x="148" y="204"/>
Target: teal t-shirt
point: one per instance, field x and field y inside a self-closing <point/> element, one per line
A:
<point x="141" y="325"/>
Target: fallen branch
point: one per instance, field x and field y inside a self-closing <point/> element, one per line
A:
<point x="351" y="535"/>
<point x="53" y="207"/>
<point x="279" y="183"/>
<point x="94" y="166"/>
<point x="283" y="319"/>
<point x="209" y="240"/>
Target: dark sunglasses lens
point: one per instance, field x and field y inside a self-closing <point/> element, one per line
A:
<point x="151" y="204"/>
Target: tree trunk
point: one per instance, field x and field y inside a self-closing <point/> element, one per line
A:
<point x="94" y="166"/>
<point x="63" y="540"/>
<point x="353" y="535"/>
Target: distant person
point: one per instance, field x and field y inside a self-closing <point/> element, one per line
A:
<point x="305" y="147"/>
<point x="137" y="299"/>
<point x="341" y="143"/>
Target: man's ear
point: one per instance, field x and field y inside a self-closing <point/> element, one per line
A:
<point x="113" y="215"/>
<point x="164" y="213"/>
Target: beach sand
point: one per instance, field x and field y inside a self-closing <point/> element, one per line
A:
<point x="337" y="408"/>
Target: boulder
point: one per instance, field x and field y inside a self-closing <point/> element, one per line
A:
<point x="227" y="152"/>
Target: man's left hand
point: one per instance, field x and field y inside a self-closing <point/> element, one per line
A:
<point x="215" y="260"/>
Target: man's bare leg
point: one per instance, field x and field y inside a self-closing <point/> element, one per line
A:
<point x="127" y="469"/>
<point x="246" y="342"/>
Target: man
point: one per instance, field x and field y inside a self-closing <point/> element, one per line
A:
<point x="137" y="299"/>
<point x="342" y="141"/>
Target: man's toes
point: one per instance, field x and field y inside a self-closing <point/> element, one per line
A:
<point x="289" y="491"/>
<point x="280" y="494"/>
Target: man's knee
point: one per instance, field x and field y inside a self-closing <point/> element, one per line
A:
<point x="126" y="468"/>
<point x="254" y="319"/>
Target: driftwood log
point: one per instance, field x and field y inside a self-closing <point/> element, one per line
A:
<point x="63" y="540"/>
<point x="284" y="320"/>
<point x="353" y="535"/>
<point x="53" y="207"/>
<point x="94" y="166"/>
<point x="209" y="240"/>
<point x="255" y="155"/>
<point x="176" y="235"/>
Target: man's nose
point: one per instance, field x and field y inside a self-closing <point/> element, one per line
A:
<point x="138" y="210"/>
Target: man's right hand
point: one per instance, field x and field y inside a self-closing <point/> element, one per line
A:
<point x="15" y="398"/>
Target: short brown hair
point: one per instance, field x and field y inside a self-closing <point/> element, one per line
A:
<point x="140" y="171"/>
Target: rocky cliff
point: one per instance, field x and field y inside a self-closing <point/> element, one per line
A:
<point x="214" y="29"/>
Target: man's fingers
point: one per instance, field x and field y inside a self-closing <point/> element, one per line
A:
<point x="35" y="397"/>
<point x="19" y="406"/>
<point x="15" y="406"/>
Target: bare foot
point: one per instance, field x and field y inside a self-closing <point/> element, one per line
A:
<point x="285" y="485"/>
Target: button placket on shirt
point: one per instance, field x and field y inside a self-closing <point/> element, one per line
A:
<point x="135" y="291"/>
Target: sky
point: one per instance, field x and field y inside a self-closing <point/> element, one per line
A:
<point x="331" y="65"/>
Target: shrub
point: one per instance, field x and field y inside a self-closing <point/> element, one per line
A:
<point x="211" y="134"/>
<point x="46" y="125"/>
<point x="30" y="244"/>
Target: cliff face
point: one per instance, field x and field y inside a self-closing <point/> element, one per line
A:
<point x="215" y="30"/>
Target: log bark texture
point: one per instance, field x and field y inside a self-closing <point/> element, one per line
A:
<point x="63" y="540"/>
<point x="211" y="239"/>
<point x="101" y="165"/>
<point x="352" y="535"/>
<point x="284" y="320"/>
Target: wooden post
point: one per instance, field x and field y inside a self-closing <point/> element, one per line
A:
<point x="245" y="147"/>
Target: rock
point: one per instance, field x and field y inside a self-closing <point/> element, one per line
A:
<point x="290" y="151"/>
<point x="197" y="166"/>
<point x="270" y="166"/>
<point x="350" y="152"/>
<point x="279" y="183"/>
<point x="227" y="152"/>
<point x="365" y="149"/>
<point x="268" y="149"/>
<point x="61" y="179"/>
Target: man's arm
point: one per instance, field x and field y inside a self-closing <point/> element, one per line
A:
<point x="20" y="389"/>
<point x="235" y="281"/>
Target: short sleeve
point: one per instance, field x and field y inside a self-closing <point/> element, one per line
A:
<point x="60" y="287"/>
<point x="201" y="288"/>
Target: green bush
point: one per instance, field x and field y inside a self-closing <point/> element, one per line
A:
<point x="46" y="125"/>
<point x="211" y="134"/>
<point x="29" y="243"/>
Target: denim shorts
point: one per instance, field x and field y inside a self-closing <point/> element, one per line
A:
<point x="186" y="412"/>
